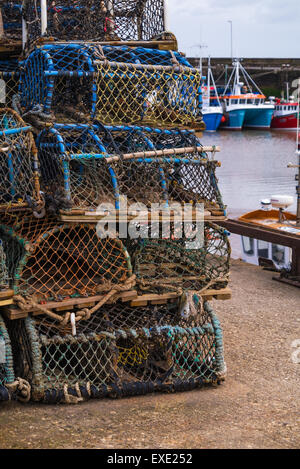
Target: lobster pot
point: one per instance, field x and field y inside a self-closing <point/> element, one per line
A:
<point x="95" y="363"/>
<point x="114" y="84"/>
<point x="19" y="177"/>
<point x="122" y="316"/>
<point x="96" y="19"/>
<point x="48" y="261"/>
<point x="12" y="19"/>
<point x="163" y="265"/>
<point x="101" y="165"/>
<point x="7" y="376"/>
<point x="9" y="82"/>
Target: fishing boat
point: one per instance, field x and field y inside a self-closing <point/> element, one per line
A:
<point x="244" y="104"/>
<point x="212" y="110"/>
<point x="285" y="114"/>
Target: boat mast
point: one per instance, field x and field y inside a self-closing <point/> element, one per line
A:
<point x="229" y="81"/>
<point x="237" y="78"/>
<point x="247" y="77"/>
<point x="211" y="78"/>
<point x="208" y="80"/>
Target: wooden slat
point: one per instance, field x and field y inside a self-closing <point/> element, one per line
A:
<point x="159" y="302"/>
<point x="16" y="313"/>
<point x="139" y="303"/>
<point x="76" y="218"/>
<point x="163" y="44"/>
<point x="224" y="294"/>
<point x="165" y="152"/>
<point x="85" y="305"/>
<point x="12" y="312"/>
<point x="129" y="295"/>
<point x="6" y="302"/>
<point x="144" y="299"/>
<point x="63" y="308"/>
<point x="6" y="294"/>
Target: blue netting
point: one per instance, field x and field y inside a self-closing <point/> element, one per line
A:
<point x="91" y="81"/>
<point x="96" y="19"/>
<point x="84" y="166"/>
<point x="19" y="176"/>
<point x="12" y="18"/>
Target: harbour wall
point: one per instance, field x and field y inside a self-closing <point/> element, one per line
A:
<point x="270" y="74"/>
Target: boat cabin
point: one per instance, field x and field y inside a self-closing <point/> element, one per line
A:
<point x="252" y="99"/>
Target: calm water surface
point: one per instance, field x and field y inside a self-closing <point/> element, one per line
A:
<point x="254" y="167"/>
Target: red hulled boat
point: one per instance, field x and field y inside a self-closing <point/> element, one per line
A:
<point x="285" y="115"/>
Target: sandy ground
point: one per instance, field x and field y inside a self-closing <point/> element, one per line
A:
<point x="257" y="406"/>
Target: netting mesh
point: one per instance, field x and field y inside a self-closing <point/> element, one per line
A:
<point x="96" y="19"/>
<point x="6" y="362"/>
<point x="83" y="167"/>
<point x="9" y="83"/>
<point x="163" y="265"/>
<point x="49" y="261"/>
<point x="115" y="84"/>
<point x="11" y="19"/>
<point x="19" y="176"/>
<point x="3" y="269"/>
<point x="103" y="360"/>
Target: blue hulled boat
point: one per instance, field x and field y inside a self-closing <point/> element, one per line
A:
<point x="242" y="106"/>
<point x="212" y="110"/>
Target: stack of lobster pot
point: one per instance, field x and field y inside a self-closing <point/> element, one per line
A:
<point x="110" y="246"/>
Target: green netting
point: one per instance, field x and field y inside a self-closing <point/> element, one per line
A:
<point x="105" y="360"/>
<point x="3" y="269"/>
<point x="50" y="261"/>
<point x="7" y="376"/>
<point x="163" y="265"/>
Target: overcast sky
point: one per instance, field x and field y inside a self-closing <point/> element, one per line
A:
<point x="261" y="28"/>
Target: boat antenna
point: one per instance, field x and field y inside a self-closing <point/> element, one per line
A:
<point x="200" y="47"/>
<point x="212" y="80"/>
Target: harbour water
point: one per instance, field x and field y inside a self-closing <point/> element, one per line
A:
<point x="254" y="167"/>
